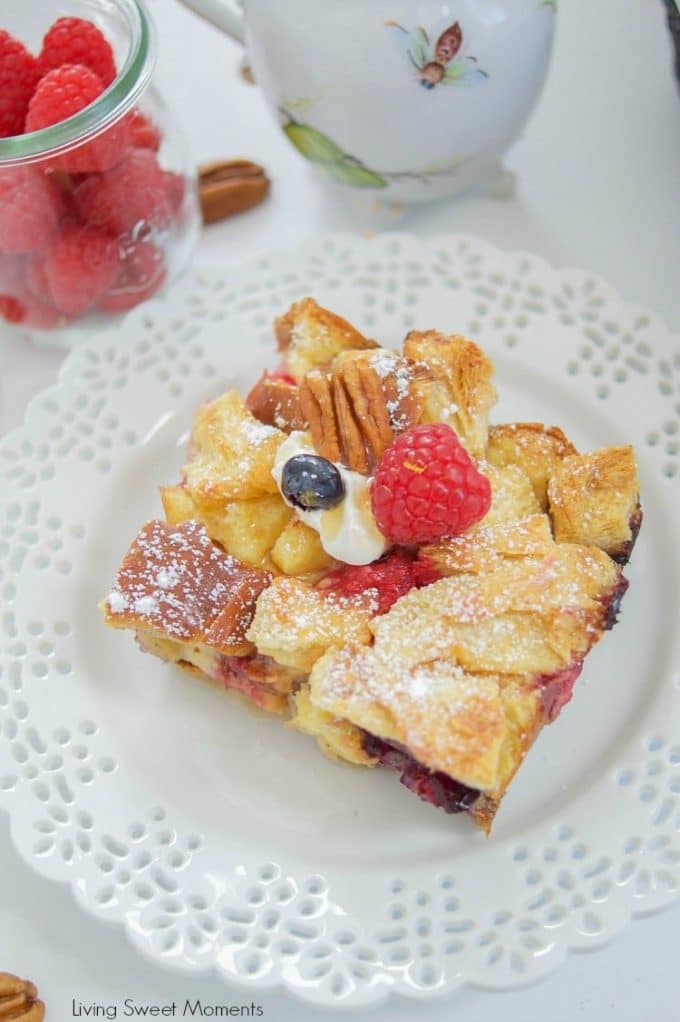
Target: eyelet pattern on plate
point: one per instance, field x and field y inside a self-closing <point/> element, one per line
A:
<point x="571" y="886"/>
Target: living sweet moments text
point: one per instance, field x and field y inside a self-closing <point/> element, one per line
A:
<point x="190" y="1008"/>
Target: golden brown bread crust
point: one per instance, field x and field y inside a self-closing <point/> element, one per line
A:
<point x="175" y="583"/>
<point x="535" y="448"/>
<point x="231" y="454"/>
<point x="227" y="481"/>
<point x="447" y="720"/>
<point x="469" y="696"/>
<point x="484" y="547"/>
<point x="529" y="616"/>
<point x="595" y="499"/>
<point x="461" y="393"/>
<point x="295" y="624"/>
<point x="246" y="529"/>
<point x="309" y="337"/>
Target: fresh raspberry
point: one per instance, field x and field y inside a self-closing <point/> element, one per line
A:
<point x="19" y="76"/>
<point x="387" y="580"/>
<point x="81" y="266"/>
<point x="131" y="196"/>
<point x="30" y="208"/>
<point x="426" y="487"/>
<point x="76" y="41"/>
<point x="142" y="132"/>
<point x="62" y="93"/>
<point x="141" y="273"/>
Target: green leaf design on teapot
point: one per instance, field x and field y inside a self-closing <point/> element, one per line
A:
<point x="322" y="151"/>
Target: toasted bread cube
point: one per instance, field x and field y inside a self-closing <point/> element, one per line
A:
<point x="178" y="505"/>
<point x="448" y="719"/>
<point x="337" y="738"/>
<point x="247" y="529"/>
<point x="295" y="624"/>
<point x="309" y="337"/>
<point x="178" y="585"/>
<point x="298" y="551"/>
<point x="462" y="393"/>
<point x="512" y="495"/>
<point x="535" y="448"/>
<point x="595" y="500"/>
<point x="483" y="547"/>
<point x="231" y="455"/>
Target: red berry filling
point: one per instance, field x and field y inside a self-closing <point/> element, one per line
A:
<point x="431" y="786"/>
<point x="246" y="675"/>
<point x="386" y="580"/>
<point x="557" y="689"/>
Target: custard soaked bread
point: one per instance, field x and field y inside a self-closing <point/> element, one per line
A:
<point x="354" y="546"/>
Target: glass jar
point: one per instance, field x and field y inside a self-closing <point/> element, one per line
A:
<point x="100" y="211"/>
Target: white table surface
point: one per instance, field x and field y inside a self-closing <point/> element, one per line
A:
<point x="598" y="171"/>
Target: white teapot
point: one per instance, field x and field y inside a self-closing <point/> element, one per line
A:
<point x="412" y="101"/>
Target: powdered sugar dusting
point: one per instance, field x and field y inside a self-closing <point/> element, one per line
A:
<point x="257" y="432"/>
<point x="449" y="719"/>
<point x="296" y="623"/>
<point x="397" y="375"/>
<point x="146" y="606"/>
<point x="383" y="362"/>
<point x="175" y="580"/>
<point x="117" y="602"/>
<point x="167" y="577"/>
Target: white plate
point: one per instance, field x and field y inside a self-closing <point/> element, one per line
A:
<point x="223" y="841"/>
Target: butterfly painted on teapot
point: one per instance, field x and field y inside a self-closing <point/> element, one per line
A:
<point x="442" y="63"/>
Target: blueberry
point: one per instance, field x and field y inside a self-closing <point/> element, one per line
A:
<point x="312" y="483"/>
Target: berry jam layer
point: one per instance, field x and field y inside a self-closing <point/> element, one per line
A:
<point x="622" y="555"/>
<point x="431" y="786"/>
<point x="613" y="603"/>
<point x="557" y="689"/>
<point x="256" y="678"/>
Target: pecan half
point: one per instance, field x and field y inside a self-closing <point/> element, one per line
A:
<point x="19" y="1000"/>
<point x="277" y="403"/>
<point x="227" y="187"/>
<point x="356" y="409"/>
<point x="318" y="407"/>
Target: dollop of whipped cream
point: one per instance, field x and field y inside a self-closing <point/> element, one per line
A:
<point x="348" y="532"/>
